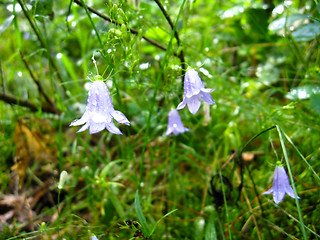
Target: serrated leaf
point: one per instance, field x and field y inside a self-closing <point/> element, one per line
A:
<point x="6" y="24"/>
<point x="142" y="220"/>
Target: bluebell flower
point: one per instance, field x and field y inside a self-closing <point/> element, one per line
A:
<point x="99" y="113"/>
<point x="194" y="92"/>
<point x="175" y="125"/>
<point x="281" y="185"/>
<point x="93" y="238"/>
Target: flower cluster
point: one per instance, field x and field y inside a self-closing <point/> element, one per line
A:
<point x="194" y="93"/>
<point x="99" y="113"/>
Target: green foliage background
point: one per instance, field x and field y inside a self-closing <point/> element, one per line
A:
<point x="262" y="59"/>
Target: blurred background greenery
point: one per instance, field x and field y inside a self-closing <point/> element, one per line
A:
<point x="262" y="59"/>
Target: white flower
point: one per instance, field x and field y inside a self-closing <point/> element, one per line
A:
<point x="281" y="185"/>
<point x="99" y="111"/>
<point x="175" y="125"/>
<point x="194" y="92"/>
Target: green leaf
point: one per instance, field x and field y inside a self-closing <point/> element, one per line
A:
<point x="211" y="233"/>
<point x="42" y="7"/>
<point x="142" y="220"/>
<point x="303" y="92"/>
<point x="155" y="226"/>
<point x="69" y="66"/>
<point x="292" y="19"/>
<point x="315" y="102"/>
<point x="107" y="168"/>
<point x="6" y="24"/>
<point x="307" y="32"/>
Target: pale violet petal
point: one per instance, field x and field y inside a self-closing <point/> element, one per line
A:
<point x="268" y="192"/>
<point x="194" y="104"/>
<point x="278" y="196"/>
<point x="98" y="117"/>
<point x="192" y="92"/>
<point x="80" y="121"/>
<point x="182" y="104"/>
<point x="207" y="90"/>
<point x="83" y="128"/>
<point x="206" y="97"/>
<point x="96" y="127"/>
<point x="169" y="131"/>
<point x="290" y="192"/>
<point x="120" y="117"/>
<point x="175" y="131"/>
<point x="113" y="129"/>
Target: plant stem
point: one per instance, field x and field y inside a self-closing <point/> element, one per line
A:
<point x="132" y="30"/>
<point x="176" y="34"/>
<point x="292" y="182"/>
<point x="163" y="64"/>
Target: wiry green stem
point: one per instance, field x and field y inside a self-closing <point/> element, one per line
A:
<point x="292" y="182"/>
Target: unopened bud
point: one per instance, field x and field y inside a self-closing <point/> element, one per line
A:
<point x="63" y="179"/>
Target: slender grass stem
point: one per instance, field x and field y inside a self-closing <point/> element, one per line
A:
<point x="292" y="181"/>
<point x="303" y="158"/>
<point x="163" y="64"/>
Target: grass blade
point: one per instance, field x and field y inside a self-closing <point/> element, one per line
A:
<point x="211" y="233"/>
<point x="142" y="220"/>
<point x="155" y="226"/>
<point x="292" y="182"/>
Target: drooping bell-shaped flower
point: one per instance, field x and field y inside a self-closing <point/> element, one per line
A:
<point x="281" y="185"/>
<point x="99" y="113"/>
<point x="194" y="92"/>
<point x="175" y="125"/>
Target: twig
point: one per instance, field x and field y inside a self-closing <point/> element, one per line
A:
<point x="11" y="99"/>
<point x="2" y="78"/>
<point x="132" y="30"/>
<point x="41" y="40"/>
<point x="37" y="82"/>
<point x="176" y="35"/>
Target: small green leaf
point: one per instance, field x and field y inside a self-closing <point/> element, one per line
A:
<point x="142" y="220"/>
<point x="6" y="24"/>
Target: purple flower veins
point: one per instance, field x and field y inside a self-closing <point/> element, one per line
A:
<point x="194" y="92"/>
<point x="175" y="125"/>
<point x="281" y="185"/>
<point x="99" y="111"/>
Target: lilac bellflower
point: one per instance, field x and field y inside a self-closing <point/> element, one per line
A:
<point x="99" y="111"/>
<point x="175" y="125"/>
<point x="280" y="186"/>
<point x="194" y="92"/>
